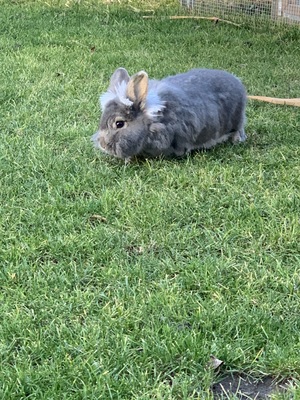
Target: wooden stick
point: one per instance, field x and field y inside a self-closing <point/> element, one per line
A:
<point x="214" y="19"/>
<point x="275" y="100"/>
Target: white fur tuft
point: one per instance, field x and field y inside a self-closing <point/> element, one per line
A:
<point x="118" y="94"/>
<point x="154" y="105"/>
<point x="106" y="98"/>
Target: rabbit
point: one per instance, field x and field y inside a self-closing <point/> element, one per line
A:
<point x="170" y="117"/>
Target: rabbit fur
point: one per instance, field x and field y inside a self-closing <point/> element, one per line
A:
<point x="170" y="117"/>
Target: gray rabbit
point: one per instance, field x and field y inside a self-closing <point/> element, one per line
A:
<point x="171" y="117"/>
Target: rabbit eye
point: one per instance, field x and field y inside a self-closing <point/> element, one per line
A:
<point x="120" y="124"/>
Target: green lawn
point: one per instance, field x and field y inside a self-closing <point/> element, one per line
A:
<point x="119" y="282"/>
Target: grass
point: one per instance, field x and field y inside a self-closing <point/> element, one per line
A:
<point x="118" y="282"/>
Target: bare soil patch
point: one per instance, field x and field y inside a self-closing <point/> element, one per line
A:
<point x="245" y="387"/>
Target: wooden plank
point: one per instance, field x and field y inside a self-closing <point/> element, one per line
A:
<point x="275" y="100"/>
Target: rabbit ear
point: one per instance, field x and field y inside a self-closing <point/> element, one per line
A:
<point x="117" y="88"/>
<point x="137" y="88"/>
<point x="118" y="77"/>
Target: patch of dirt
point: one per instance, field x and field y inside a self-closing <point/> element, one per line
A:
<point x="245" y="387"/>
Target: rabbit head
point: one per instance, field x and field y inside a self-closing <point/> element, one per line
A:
<point x="128" y="110"/>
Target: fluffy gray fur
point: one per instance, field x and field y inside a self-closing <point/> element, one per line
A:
<point x="171" y="117"/>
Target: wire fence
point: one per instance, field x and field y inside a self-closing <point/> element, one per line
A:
<point x="287" y="11"/>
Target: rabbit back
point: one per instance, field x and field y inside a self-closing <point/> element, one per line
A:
<point x="207" y="105"/>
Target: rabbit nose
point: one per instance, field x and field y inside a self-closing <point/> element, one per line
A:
<point x="95" y="139"/>
<point x="102" y="142"/>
